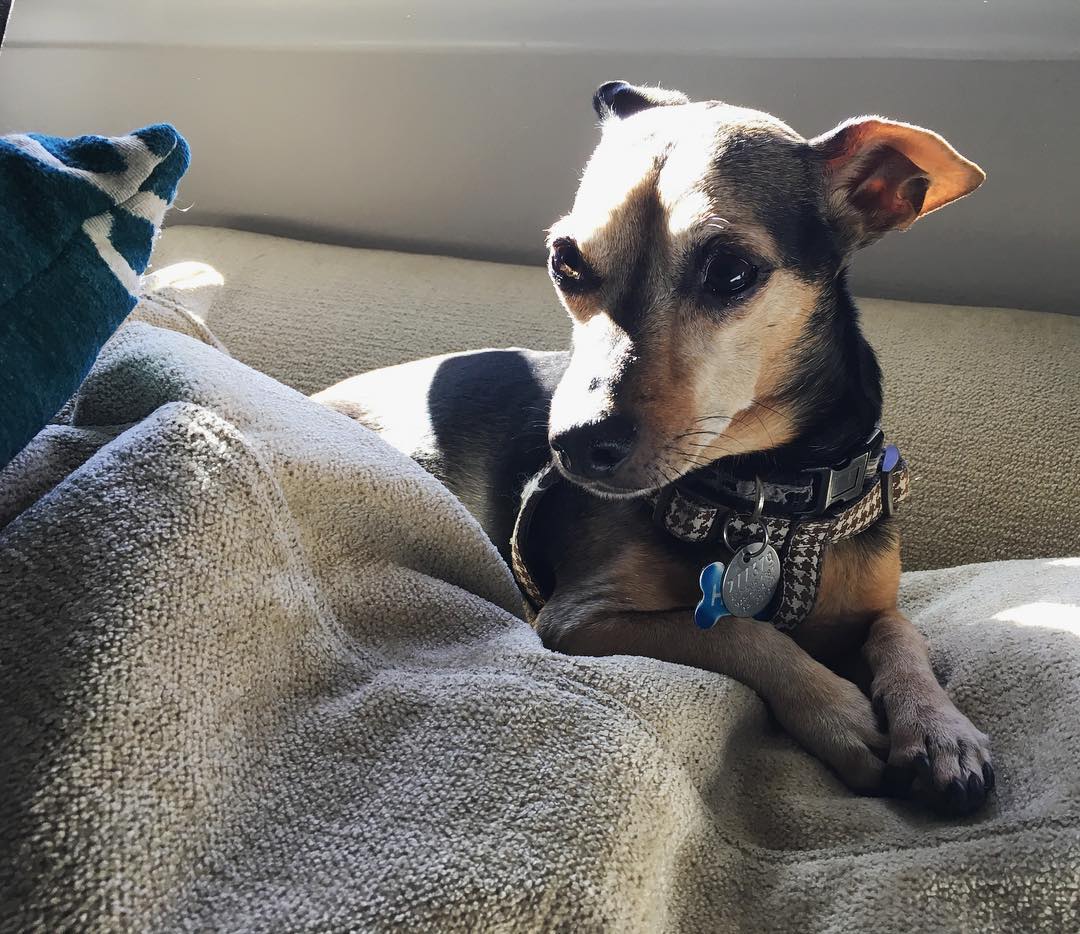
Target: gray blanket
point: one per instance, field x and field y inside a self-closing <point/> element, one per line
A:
<point x="260" y="672"/>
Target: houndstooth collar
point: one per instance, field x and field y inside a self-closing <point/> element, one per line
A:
<point x="856" y="495"/>
<point x="851" y="498"/>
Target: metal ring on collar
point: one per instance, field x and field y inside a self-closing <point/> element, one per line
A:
<point x="726" y="531"/>
<point x="756" y="517"/>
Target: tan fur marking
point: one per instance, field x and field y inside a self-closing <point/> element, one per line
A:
<point x="765" y="332"/>
<point x="856" y="586"/>
<point x="651" y="579"/>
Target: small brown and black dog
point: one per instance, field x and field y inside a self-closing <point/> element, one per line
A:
<point x="703" y="266"/>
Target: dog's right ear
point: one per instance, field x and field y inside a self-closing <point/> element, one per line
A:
<point x="619" y="99"/>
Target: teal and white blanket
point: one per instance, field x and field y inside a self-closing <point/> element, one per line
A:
<point x="78" y="219"/>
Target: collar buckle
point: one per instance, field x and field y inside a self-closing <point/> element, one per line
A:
<point x="845" y="482"/>
<point x="839" y="484"/>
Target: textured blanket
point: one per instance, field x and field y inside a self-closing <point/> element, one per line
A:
<point x="262" y="673"/>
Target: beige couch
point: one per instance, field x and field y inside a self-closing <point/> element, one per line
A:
<point x="263" y="673"/>
<point x="984" y="402"/>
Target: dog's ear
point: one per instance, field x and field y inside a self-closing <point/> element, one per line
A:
<point x="881" y="175"/>
<point x="619" y="99"/>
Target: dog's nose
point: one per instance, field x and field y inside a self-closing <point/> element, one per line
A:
<point x="595" y="451"/>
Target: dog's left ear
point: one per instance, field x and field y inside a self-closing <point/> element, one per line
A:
<point x="881" y="175"/>
<point x="619" y="99"/>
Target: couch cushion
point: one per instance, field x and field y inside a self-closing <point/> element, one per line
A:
<point x="982" y="401"/>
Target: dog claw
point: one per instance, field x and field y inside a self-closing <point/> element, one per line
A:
<point x="922" y="766"/>
<point x="896" y="781"/>
<point x="976" y="792"/>
<point x="956" y="795"/>
<point x="961" y="798"/>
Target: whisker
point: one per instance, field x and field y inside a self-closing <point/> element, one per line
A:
<point x="761" y="422"/>
<point x="699" y="458"/>
<point x="767" y="408"/>
<point x="665" y="475"/>
<point x="688" y="434"/>
<point x="696" y="459"/>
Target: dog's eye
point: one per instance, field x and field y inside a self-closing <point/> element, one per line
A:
<point x="568" y="267"/>
<point x="725" y="274"/>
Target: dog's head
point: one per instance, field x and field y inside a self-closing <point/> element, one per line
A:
<point x="701" y="241"/>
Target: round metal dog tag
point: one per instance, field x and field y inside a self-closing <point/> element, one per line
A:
<point x="750" y="579"/>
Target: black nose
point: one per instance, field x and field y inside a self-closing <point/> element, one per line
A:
<point x="595" y="451"/>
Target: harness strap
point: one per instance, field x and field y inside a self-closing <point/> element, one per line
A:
<point x="533" y="492"/>
<point x="800" y="543"/>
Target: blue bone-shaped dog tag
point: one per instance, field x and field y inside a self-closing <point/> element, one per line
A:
<point x="711" y="607"/>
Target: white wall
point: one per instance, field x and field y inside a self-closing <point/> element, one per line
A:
<point x="462" y="126"/>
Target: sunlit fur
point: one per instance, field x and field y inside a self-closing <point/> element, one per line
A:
<point x="703" y="382"/>
<point x="698" y="381"/>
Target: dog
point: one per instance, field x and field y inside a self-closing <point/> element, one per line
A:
<point x="717" y="367"/>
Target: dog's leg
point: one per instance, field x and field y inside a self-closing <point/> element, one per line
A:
<point x="828" y="715"/>
<point x="929" y="738"/>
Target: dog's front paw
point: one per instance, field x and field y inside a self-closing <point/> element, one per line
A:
<point x="934" y="748"/>
<point x="837" y="723"/>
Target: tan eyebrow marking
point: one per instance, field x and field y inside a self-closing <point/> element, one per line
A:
<point x="750" y="235"/>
